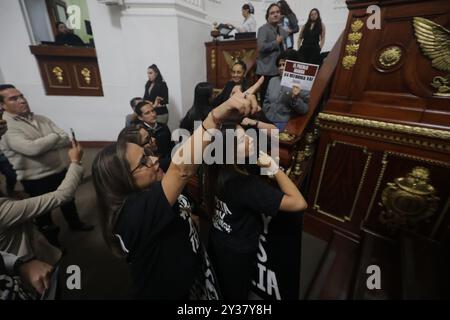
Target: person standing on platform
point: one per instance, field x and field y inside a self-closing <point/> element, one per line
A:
<point x="311" y="38"/>
<point x="157" y="93"/>
<point x="270" y="45"/>
<point x="289" y="22"/>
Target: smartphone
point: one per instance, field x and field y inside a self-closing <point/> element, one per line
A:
<point x="73" y="136"/>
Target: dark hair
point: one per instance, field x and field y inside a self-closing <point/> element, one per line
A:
<point x="113" y="182"/>
<point x="59" y="23"/>
<point x="317" y="24"/>
<point x="250" y="9"/>
<point x="242" y="64"/>
<point x="135" y="101"/>
<point x="5" y="87"/>
<point x="284" y="8"/>
<point x="200" y="107"/>
<point x="139" y="106"/>
<point x="270" y="7"/>
<point x="281" y="56"/>
<point x="159" y="77"/>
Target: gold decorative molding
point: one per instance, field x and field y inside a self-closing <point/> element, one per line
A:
<point x="213" y="58"/>
<point x="384" y="162"/>
<point x="354" y="37"/>
<point x="357" y="25"/>
<point x="361" y="182"/>
<point x="442" y="85"/>
<point x="401" y="128"/>
<point x="351" y="49"/>
<point x="58" y="72"/>
<point x="352" y="46"/>
<point x="390" y="56"/>
<point x="434" y="40"/>
<point x="408" y="200"/>
<point x="286" y="136"/>
<point x="86" y="73"/>
<point x="389" y="137"/>
<point x="348" y="62"/>
<point x="231" y="57"/>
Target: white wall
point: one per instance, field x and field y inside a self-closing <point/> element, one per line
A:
<point x="333" y="12"/>
<point x="129" y="39"/>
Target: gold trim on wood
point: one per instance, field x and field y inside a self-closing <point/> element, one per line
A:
<point x="390" y="56"/>
<point x="348" y="62"/>
<point x="361" y="182"/>
<point x="389" y="137"/>
<point x="86" y="73"/>
<point x="357" y="25"/>
<point x="385" y="161"/>
<point x="213" y="58"/>
<point x="352" y="46"/>
<point x="401" y="128"/>
<point x="58" y="72"/>
<point x="408" y="200"/>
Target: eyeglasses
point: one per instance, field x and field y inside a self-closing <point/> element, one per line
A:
<point x="146" y="160"/>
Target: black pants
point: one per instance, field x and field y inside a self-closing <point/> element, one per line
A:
<point x="49" y="184"/>
<point x="8" y="171"/>
<point x="310" y="54"/>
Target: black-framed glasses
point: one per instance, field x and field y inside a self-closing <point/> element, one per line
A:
<point x="145" y="161"/>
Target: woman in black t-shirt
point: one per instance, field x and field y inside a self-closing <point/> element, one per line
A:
<point x="237" y="198"/>
<point x="311" y="38"/>
<point x="156" y="92"/>
<point x="143" y="216"/>
<point x="200" y="107"/>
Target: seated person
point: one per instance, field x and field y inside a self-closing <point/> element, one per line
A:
<point x="66" y="36"/>
<point x="281" y="103"/>
<point x="131" y="118"/>
<point x="147" y="116"/>
<point x="200" y="107"/>
<point x="237" y="78"/>
<point x="249" y="24"/>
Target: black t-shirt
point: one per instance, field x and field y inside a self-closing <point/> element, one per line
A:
<point x="237" y="221"/>
<point x="162" y="245"/>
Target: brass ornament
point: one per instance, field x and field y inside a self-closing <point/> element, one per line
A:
<point x="348" y="62"/>
<point x="434" y="40"/>
<point x="401" y="128"/>
<point x="355" y="37"/>
<point x="352" y="46"/>
<point x="351" y="49"/>
<point x="390" y="56"/>
<point x="442" y="85"/>
<point x="357" y="25"/>
<point x="213" y="58"/>
<point x="86" y="73"/>
<point x="234" y="56"/>
<point x="58" y="72"/>
<point x="408" y="200"/>
<point x="286" y="136"/>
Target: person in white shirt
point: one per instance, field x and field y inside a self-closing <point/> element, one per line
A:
<point x="249" y="24"/>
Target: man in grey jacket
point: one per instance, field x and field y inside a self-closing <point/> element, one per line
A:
<point x="32" y="144"/>
<point x="270" y="45"/>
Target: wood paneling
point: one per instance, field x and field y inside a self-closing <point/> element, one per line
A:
<point x="69" y="71"/>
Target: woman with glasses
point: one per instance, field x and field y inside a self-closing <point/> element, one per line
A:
<point x="143" y="216"/>
<point x="282" y="103"/>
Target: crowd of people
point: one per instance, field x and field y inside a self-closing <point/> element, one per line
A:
<point x="146" y="213"/>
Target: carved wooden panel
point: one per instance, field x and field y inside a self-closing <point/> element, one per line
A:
<point x="389" y="76"/>
<point x="68" y="70"/>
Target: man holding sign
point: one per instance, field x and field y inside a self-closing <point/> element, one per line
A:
<point x="288" y="93"/>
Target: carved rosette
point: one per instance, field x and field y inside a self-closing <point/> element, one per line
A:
<point x="389" y="57"/>
<point x="86" y="73"/>
<point x="408" y="200"/>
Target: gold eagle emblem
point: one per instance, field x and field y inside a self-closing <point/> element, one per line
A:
<point x="434" y="40"/>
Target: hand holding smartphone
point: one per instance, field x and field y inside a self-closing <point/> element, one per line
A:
<point x="73" y="136"/>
